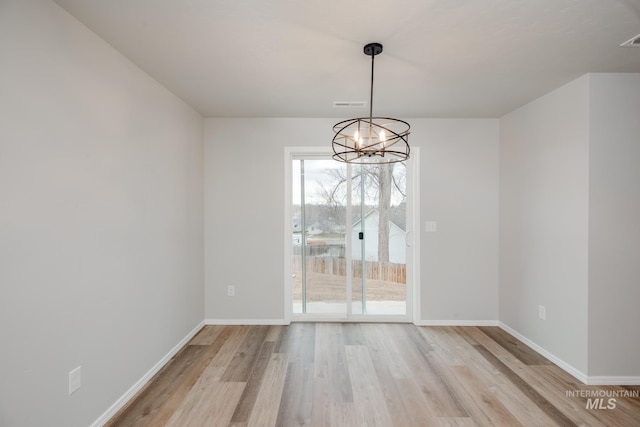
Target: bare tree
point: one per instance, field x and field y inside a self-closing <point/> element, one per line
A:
<point x="333" y="192"/>
<point x="380" y="183"/>
<point x="385" y="179"/>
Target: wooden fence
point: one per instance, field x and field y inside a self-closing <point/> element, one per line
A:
<point x="385" y="271"/>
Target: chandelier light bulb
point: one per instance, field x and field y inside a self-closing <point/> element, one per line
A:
<point x="382" y="136"/>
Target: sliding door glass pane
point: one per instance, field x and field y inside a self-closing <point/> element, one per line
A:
<point x="380" y="191"/>
<point x="319" y="226"/>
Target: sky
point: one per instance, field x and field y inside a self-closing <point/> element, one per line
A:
<point x="315" y="171"/>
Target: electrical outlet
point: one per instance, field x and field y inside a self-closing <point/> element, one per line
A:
<point x="542" y="312"/>
<point x="430" y="226"/>
<point x="75" y="379"/>
<point x="231" y="291"/>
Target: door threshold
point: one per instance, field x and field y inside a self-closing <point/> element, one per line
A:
<point x="318" y="318"/>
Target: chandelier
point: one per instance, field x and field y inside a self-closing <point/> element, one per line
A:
<point x="371" y="140"/>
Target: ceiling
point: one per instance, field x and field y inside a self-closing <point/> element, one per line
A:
<point x="294" y="58"/>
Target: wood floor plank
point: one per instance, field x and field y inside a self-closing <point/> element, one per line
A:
<point x="463" y="331"/>
<point x="370" y="404"/>
<point x="440" y="341"/>
<point x="254" y="382"/>
<point x="456" y="422"/>
<point x="339" y="381"/>
<point x="239" y="367"/>
<point x="344" y="415"/>
<point x="562" y="384"/>
<point x="329" y="411"/>
<point x="229" y="348"/>
<point x="298" y="341"/>
<point x="296" y="409"/>
<point x="471" y="393"/>
<point x="207" y="335"/>
<point x="322" y="356"/>
<point x="265" y="411"/>
<point x="520" y="350"/>
<point x="551" y="390"/>
<point x="556" y="393"/>
<point x="536" y="398"/>
<point x="308" y="374"/>
<point x="523" y="402"/>
<point x="417" y="409"/>
<point x="321" y="407"/>
<point x="353" y="334"/>
<point x="210" y="403"/>
<point x="405" y="401"/>
<point x="275" y="332"/>
<point x="155" y="404"/>
<point x="624" y="410"/>
<point x="483" y="403"/>
<point x="384" y="351"/>
<point x="432" y="379"/>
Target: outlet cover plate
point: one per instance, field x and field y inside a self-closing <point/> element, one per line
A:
<point x="542" y="312"/>
<point x="75" y="379"/>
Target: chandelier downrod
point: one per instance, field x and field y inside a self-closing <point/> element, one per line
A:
<point x="372" y="49"/>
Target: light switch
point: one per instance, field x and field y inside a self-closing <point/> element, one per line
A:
<point x="430" y="227"/>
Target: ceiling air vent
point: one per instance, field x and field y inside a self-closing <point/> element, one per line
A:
<point x="632" y="42"/>
<point x="349" y="104"/>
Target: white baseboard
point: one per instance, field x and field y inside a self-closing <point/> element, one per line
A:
<point x="577" y="374"/>
<point x="613" y="380"/>
<point x="124" y="399"/>
<point x="245" y="322"/>
<point x="456" y="323"/>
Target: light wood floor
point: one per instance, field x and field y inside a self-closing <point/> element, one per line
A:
<point x="332" y="374"/>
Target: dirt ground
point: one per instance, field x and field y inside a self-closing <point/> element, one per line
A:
<point x="330" y="288"/>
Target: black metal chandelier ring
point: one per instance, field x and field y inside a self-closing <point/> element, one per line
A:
<point x="368" y="140"/>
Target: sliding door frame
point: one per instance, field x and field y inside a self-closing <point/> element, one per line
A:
<point x="412" y="237"/>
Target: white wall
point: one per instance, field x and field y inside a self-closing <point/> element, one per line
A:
<point x="244" y="210"/>
<point x="614" y="231"/>
<point x="244" y="207"/>
<point x="544" y="166"/>
<point x="459" y="191"/>
<point x="569" y="205"/>
<point x="101" y="235"/>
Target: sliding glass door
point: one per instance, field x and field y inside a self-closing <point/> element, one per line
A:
<point x="348" y="237"/>
<point x="379" y="252"/>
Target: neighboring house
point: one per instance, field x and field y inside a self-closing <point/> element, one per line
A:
<point x="297" y="239"/>
<point x="314" y="229"/>
<point x="397" y="244"/>
<point x="311" y="230"/>
<point x="297" y="233"/>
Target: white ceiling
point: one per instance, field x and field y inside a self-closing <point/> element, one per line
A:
<point x="442" y="58"/>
